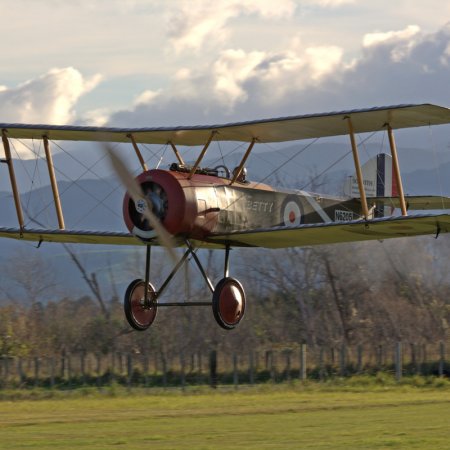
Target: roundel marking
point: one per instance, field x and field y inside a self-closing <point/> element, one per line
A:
<point x="292" y="215"/>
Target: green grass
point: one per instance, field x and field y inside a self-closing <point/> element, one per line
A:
<point x="352" y="414"/>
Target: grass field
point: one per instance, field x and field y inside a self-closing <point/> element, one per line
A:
<point x="316" y="416"/>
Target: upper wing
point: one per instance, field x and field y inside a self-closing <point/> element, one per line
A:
<point x="270" y="130"/>
<point x="335" y="232"/>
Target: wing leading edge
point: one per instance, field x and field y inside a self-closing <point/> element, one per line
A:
<point x="70" y="236"/>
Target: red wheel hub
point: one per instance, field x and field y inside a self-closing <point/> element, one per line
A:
<point x="140" y="314"/>
<point x="231" y="303"/>
<point x="228" y="303"/>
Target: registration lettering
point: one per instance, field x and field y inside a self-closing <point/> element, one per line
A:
<point x="342" y="216"/>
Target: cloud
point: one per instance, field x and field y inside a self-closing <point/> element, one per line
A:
<point x="202" y="21"/>
<point x="390" y="36"/>
<point x="405" y="66"/>
<point x="330" y="3"/>
<point x="50" y="98"/>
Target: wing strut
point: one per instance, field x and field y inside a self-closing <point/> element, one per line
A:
<point x="362" y="192"/>
<point x="177" y="153"/>
<point x="138" y="152"/>
<point x="396" y="168"/>
<point x="12" y="178"/>
<point x="202" y="154"/>
<point x="54" y="184"/>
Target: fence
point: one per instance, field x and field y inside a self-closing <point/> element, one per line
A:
<point x="216" y="367"/>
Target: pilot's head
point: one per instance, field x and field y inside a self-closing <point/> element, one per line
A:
<point x="242" y="176"/>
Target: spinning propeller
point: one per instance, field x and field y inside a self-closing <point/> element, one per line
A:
<point x="150" y="203"/>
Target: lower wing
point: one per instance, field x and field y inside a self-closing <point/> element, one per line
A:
<point x="335" y="232"/>
<point x="280" y="237"/>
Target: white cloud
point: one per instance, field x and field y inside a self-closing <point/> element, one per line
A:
<point x="231" y="78"/>
<point x="50" y="98"/>
<point x="390" y="36"/>
<point x="146" y="97"/>
<point x="246" y="85"/>
<point x="95" y="117"/>
<point x="202" y="21"/>
<point x="330" y="3"/>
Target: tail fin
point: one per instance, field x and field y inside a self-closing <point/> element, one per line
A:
<point x="377" y="178"/>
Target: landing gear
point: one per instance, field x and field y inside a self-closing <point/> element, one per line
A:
<point x="228" y="296"/>
<point x="140" y="309"/>
<point x="228" y="303"/>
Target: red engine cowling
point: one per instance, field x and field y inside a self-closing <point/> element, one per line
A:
<point x="184" y="207"/>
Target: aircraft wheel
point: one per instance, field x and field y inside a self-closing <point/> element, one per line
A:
<point x="138" y="315"/>
<point x="228" y="303"/>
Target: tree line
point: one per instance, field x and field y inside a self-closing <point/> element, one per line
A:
<point x="354" y="294"/>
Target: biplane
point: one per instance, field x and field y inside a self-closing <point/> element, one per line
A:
<point x="192" y="206"/>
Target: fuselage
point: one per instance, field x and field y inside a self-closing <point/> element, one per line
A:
<point x="202" y="205"/>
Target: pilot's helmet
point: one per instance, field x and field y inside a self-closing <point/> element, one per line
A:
<point x="243" y="175"/>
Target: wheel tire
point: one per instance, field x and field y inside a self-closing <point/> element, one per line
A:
<point x="139" y="317"/>
<point x="228" y="303"/>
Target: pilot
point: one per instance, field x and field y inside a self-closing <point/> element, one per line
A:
<point x="242" y="178"/>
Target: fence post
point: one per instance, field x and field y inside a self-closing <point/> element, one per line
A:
<point x="251" y="367"/>
<point x="6" y="365"/>
<point x="63" y="364"/>
<point x="213" y="368"/>
<point x="343" y="360"/>
<point x="164" y="369"/>
<point x="288" y="365"/>
<point x="235" y="371"/>
<point x="98" y="368"/>
<point x="303" y="362"/>
<point x="129" y="369"/>
<point x="272" y="366"/>
<point x="413" y="357"/>
<point x="69" y="368"/>
<point x="321" y="363"/>
<point x="52" y="372"/>
<point x="36" y="371"/>
<point x="441" y="358"/>
<point x="398" y="361"/>
<point x="146" y="369"/>
<point x="82" y="366"/>
<point x="380" y="356"/>
<point x="20" y="371"/>
<point x="424" y="356"/>
<point x="360" y="358"/>
<point x="182" y="374"/>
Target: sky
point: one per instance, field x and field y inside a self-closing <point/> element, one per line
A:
<point x="176" y="62"/>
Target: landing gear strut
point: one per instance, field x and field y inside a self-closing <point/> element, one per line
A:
<point x="228" y="296"/>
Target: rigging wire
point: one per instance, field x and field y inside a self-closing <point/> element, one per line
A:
<point x="30" y="177"/>
<point x="118" y="186"/>
<point x="71" y="184"/>
<point x="88" y="169"/>
<point x="162" y="156"/>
